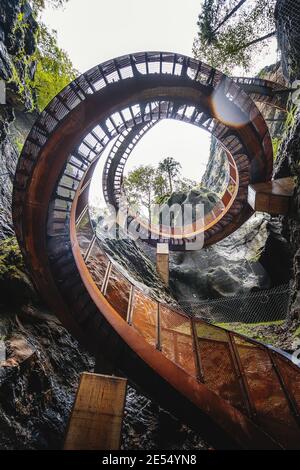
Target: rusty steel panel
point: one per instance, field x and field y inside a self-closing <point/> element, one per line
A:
<point x="290" y="375"/>
<point x="118" y="292"/>
<point x="176" y="339"/>
<point x="271" y="405"/>
<point x="97" y="263"/>
<point x="217" y="362"/>
<point x="144" y="317"/>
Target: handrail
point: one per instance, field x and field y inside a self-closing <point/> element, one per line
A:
<point x="127" y="141"/>
<point x="231" y="342"/>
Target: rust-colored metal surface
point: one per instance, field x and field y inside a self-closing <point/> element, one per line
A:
<point x="273" y="197"/>
<point x="240" y="392"/>
<point x="261" y="91"/>
<point x="239" y="375"/>
<point x="264" y="91"/>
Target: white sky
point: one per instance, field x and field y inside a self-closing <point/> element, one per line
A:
<point x="169" y="138"/>
<point x="92" y="31"/>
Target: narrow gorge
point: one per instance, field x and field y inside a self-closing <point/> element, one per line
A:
<point x="40" y="371"/>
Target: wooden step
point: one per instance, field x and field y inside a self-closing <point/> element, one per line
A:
<point x="97" y="415"/>
<point x="272" y="197"/>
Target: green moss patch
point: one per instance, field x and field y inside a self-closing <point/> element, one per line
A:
<point x="296" y="333"/>
<point x="15" y="285"/>
<point x="266" y="332"/>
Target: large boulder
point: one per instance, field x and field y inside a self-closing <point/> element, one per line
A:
<point x="197" y="196"/>
<point x="228" y="268"/>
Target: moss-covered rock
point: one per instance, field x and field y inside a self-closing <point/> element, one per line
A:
<point x="196" y="196"/>
<point x="19" y="29"/>
<point x="15" y="285"/>
<point x="18" y="41"/>
<point x="278" y="333"/>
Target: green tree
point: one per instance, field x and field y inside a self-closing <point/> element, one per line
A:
<point x="169" y="168"/>
<point x="229" y="30"/>
<point x="213" y="16"/>
<point x="145" y="185"/>
<point x="51" y="65"/>
<point x="160" y="187"/>
<point x="54" y="68"/>
<point x="139" y="187"/>
<point x="40" y="5"/>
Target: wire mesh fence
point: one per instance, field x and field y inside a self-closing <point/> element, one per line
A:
<point x="256" y="307"/>
<point x="287" y="14"/>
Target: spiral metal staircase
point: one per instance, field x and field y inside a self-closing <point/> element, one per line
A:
<point x="239" y="392"/>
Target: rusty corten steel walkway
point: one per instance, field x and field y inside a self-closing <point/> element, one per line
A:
<point x="260" y="91"/>
<point x="238" y="392"/>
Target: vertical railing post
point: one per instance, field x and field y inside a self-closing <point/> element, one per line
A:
<point x="174" y="64"/>
<point x="160" y="63"/>
<point x="130" y="304"/>
<point x="242" y="376"/>
<point x="106" y="278"/>
<point x="196" y="348"/>
<point x="146" y="63"/>
<point x="158" y="330"/>
<point x="90" y="247"/>
<point x="81" y="215"/>
<point x="292" y="405"/>
<point x="198" y="70"/>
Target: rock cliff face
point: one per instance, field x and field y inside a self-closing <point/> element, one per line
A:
<point x="223" y="270"/>
<point x="288" y="165"/>
<point x="17" y="45"/>
<point x="40" y="362"/>
<point x="38" y="379"/>
<point x="288" y="34"/>
<point x="18" y="30"/>
<point x="8" y="159"/>
<point x="216" y="173"/>
<point x="288" y="26"/>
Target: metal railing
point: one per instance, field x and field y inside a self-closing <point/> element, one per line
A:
<point x="92" y="145"/>
<point x="259" y="381"/>
<point x="228" y="364"/>
<point x="261" y="90"/>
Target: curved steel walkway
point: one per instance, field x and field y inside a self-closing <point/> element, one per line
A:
<point x="240" y="393"/>
<point x="260" y="91"/>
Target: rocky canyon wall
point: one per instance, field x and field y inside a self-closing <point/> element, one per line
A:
<point x="288" y="161"/>
<point x="40" y="362"/>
